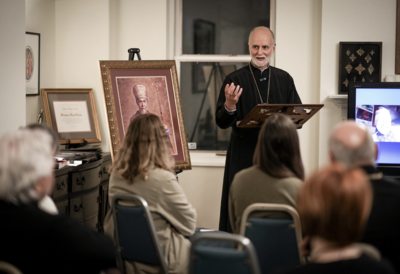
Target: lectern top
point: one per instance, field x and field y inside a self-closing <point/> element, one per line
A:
<point x="299" y="113"/>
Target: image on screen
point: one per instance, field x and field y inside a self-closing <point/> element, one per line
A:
<point x="379" y="110"/>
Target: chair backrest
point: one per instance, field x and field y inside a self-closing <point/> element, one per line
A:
<point x="218" y="253"/>
<point x="135" y="234"/>
<point x="9" y="268"/>
<point x="276" y="241"/>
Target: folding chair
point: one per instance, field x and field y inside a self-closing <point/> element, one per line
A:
<point x="208" y="255"/>
<point x="276" y="241"/>
<point x="8" y="268"/>
<point x="135" y="234"/>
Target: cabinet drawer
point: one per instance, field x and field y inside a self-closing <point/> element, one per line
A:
<point x="62" y="207"/>
<point x="60" y="186"/>
<point x="83" y="207"/>
<point x="85" y="179"/>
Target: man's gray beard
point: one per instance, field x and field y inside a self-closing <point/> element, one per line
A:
<point x="254" y="60"/>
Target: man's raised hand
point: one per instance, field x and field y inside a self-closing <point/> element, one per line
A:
<point x="232" y="94"/>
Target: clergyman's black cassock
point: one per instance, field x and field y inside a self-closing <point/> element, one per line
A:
<point x="243" y="141"/>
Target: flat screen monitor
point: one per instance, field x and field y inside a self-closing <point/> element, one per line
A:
<point x="377" y="105"/>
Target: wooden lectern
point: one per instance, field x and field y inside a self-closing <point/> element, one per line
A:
<point x="299" y="114"/>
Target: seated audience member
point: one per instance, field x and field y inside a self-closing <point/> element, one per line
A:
<point x="46" y="203"/>
<point x="352" y="145"/>
<point x="144" y="166"/>
<point x="334" y="205"/>
<point x="276" y="176"/>
<point x="31" y="239"/>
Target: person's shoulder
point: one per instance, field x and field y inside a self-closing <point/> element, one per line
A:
<point x="363" y="264"/>
<point x="238" y="72"/>
<point x="368" y="265"/>
<point x="161" y="172"/>
<point x="162" y="176"/>
<point x="387" y="184"/>
<point x="280" y="72"/>
<point x="250" y="171"/>
<point x="115" y="178"/>
<point x="291" y="181"/>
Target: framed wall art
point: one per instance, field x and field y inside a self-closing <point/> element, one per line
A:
<point x="359" y="62"/>
<point x="135" y="87"/>
<point x="32" y="63"/>
<point x="72" y="114"/>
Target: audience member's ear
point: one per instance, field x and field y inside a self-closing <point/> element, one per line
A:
<point x="44" y="185"/>
<point x="376" y="151"/>
<point x="331" y="157"/>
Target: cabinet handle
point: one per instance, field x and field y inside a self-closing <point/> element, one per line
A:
<point x="80" y="181"/>
<point x="100" y="173"/>
<point x="60" y="185"/>
<point x="78" y="208"/>
<point x="99" y="227"/>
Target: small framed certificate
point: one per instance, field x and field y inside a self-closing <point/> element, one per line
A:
<point x="72" y="114"/>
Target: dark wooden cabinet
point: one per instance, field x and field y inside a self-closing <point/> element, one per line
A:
<point x="81" y="192"/>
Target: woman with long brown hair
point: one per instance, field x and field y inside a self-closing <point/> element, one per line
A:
<point x="144" y="166"/>
<point x="277" y="173"/>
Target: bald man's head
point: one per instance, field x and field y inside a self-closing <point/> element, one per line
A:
<point x="352" y="145"/>
<point x="261" y="30"/>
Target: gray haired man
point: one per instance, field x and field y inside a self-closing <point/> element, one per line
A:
<point x="352" y="145"/>
<point x="31" y="239"/>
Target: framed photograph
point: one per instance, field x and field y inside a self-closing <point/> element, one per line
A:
<point x="72" y="114"/>
<point x="135" y="87"/>
<point x="32" y="63"/>
<point x="359" y="62"/>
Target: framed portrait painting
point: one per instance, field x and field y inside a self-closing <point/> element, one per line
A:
<point x="132" y="88"/>
<point x="72" y="114"/>
<point x="32" y="63"/>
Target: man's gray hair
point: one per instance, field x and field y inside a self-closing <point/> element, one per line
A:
<point x="352" y="156"/>
<point x="26" y="157"/>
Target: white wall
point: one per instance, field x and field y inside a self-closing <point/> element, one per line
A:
<point x="356" y="20"/>
<point x="92" y="30"/>
<point x="40" y="18"/>
<point x="12" y="64"/>
<point x="298" y="38"/>
<point x="203" y="188"/>
<point x="82" y="39"/>
<point x="138" y="24"/>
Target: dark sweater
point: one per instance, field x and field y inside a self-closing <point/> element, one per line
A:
<point x="382" y="229"/>
<point x="363" y="265"/>
<point x="37" y="242"/>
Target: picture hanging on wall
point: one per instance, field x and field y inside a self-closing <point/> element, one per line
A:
<point x="359" y="62"/>
<point x="32" y="63"/>
<point x="132" y="88"/>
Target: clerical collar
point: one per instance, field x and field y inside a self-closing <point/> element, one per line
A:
<point x="259" y="68"/>
<point x="255" y="82"/>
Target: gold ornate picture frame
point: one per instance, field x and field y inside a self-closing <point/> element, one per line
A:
<point x="72" y="114"/>
<point x="125" y="83"/>
<point x="359" y="62"/>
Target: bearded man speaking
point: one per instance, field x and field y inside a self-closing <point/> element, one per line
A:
<point x="242" y="90"/>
